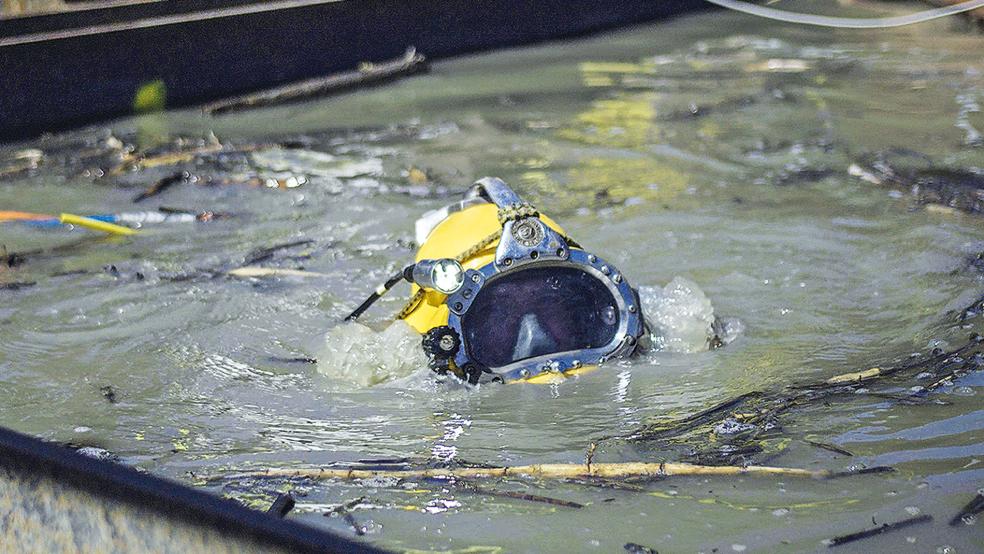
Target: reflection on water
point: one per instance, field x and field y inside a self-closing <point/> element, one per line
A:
<point x="713" y="148"/>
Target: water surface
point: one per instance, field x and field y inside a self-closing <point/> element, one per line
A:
<point x="712" y="147"/>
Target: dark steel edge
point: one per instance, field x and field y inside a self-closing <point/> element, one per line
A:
<point x="27" y="455"/>
<point x="83" y="76"/>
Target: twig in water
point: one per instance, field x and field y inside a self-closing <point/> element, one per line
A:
<point x="263" y="254"/>
<point x="517" y="495"/>
<point x="885" y="528"/>
<point x="367" y="75"/>
<point x="830" y="447"/>
<point x="343" y="511"/>
<point x="297" y="360"/>
<point x="356" y="526"/>
<point x="606" y="484"/>
<point x="862" y="471"/>
<point x="162" y="185"/>
<point x="972" y="508"/>
<point x="589" y="455"/>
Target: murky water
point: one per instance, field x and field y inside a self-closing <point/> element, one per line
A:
<point x="712" y="147"/>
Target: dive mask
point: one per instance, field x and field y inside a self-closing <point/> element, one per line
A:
<point x="501" y="292"/>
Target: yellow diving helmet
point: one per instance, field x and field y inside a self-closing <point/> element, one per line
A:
<point x="500" y="291"/>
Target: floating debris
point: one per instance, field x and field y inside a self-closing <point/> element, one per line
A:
<point x="282" y="505"/>
<point x="884" y="528"/>
<point x="938" y="189"/>
<point x="254" y="272"/>
<point x="109" y="393"/>
<point x="547" y="471"/>
<point x="633" y="548"/>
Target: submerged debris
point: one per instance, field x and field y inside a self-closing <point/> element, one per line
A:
<point x="741" y="425"/>
<point x="517" y="495"/>
<point x="17" y="285"/>
<point x="343" y="510"/>
<point x="163" y="184"/>
<point x="831" y="447"/>
<point x="935" y="188"/>
<point x="109" y="393"/>
<point x="972" y="508"/>
<point x="98" y="453"/>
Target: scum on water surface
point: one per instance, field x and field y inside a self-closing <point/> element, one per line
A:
<point x="820" y="187"/>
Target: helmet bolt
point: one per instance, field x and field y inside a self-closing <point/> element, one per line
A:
<point x="534" y="255"/>
<point x="467" y="293"/>
<point x="476" y="278"/>
<point x="507" y="262"/>
<point x="592" y="258"/>
<point x="457" y="306"/>
<point x="561" y="252"/>
<point x="617" y="278"/>
<point x="447" y="343"/>
<point x="632" y="308"/>
<point x="605" y="270"/>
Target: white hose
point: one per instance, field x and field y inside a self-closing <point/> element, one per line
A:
<point x="847" y="22"/>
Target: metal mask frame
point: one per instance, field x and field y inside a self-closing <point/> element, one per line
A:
<point x="527" y="242"/>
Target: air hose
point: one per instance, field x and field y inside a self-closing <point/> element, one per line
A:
<point x="847" y="22"/>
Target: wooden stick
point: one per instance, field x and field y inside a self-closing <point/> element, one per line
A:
<point x="546" y="471"/>
<point x="367" y="75"/>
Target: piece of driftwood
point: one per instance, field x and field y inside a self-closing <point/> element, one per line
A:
<point x="369" y="74"/>
<point x="542" y="471"/>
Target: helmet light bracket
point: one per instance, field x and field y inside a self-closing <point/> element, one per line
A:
<point x="529" y="240"/>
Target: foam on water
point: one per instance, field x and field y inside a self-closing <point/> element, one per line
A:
<point x="681" y="318"/>
<point x="360" y="355"/>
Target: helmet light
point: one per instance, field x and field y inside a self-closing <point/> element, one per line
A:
<point x="444" y="275"/>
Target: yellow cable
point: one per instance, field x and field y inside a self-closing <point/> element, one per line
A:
<point x="95" y="225"/>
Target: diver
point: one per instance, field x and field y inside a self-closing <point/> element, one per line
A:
<point x="501" y="293"/>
